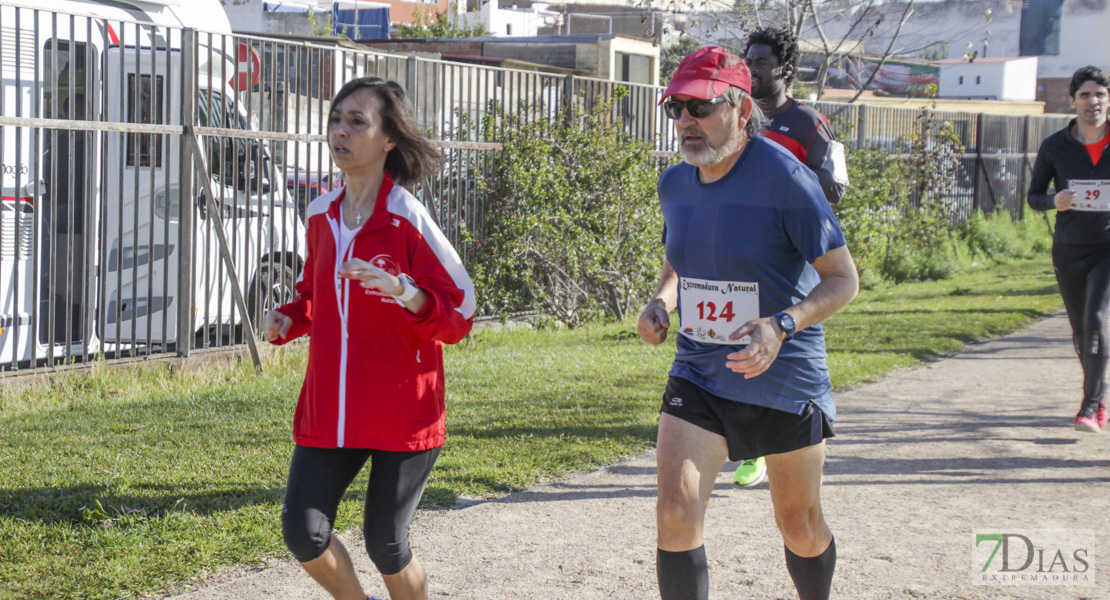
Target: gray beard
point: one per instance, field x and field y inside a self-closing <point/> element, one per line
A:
<point x="708" y="156"/>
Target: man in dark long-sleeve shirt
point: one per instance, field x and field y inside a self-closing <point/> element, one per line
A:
<point x="772" y="55"/>
<point x="1074" y="160"/>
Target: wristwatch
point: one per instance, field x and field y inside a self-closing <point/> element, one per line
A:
<point x="786" y="324"/>
<point x="409" y="290"/>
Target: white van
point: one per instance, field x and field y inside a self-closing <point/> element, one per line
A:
<point x="90" y="224"/>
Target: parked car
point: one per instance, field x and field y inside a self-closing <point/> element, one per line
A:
<point x="304" y="185"/>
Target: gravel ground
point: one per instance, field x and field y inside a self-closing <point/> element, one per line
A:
<point x="978" y="441"/>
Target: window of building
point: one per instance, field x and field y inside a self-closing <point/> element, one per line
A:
<point x="633" y="68"/>
<point x="1039" y="33"/>
<point x="977" y="79"/>
<point x="961" y="79"/>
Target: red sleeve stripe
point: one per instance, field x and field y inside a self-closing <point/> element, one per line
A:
<point x="794" y="146"/>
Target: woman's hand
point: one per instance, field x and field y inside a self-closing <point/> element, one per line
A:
<point x="276" y="325"/>
<point x="1064" y="200"/>
<point x="371" y="277"/>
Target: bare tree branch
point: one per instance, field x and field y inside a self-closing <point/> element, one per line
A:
<point x="906" y="13"/>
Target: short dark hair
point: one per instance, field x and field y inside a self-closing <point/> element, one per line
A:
<point x="784" y="45"/>
<point x="1084" y="75"/>
<point x="413" y="156"/>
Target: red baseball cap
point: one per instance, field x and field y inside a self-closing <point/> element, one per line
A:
<point x="707" y="73"/>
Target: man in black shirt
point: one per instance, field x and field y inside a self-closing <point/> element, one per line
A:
<point x="1075" y="161"/>
<point x="772" y="56"/>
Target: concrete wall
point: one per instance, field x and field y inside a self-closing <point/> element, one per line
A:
<point x="608" y="50"/>
<point x="1053" y="91"/>
<point x="1020" y="80"/>
<point x="557" y="55"/>
<point x="971" y="80"/>
<point x="245" y="15"/>
<point x="994" y="107"/>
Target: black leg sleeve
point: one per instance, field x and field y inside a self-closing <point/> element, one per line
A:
<point x="682" y="575"/>
<point x="812" y="576"/>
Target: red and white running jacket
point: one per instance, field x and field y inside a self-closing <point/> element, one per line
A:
<point x="375" y="370"/>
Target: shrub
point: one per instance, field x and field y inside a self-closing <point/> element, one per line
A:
<point x="1001" y="239"/>
<point x="896" y="213"/>
<point x="573" y="228"/>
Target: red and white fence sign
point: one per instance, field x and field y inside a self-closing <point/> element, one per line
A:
<point x="248" y="69"/>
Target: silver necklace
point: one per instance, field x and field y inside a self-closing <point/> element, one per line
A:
<point x="358" y="213"/>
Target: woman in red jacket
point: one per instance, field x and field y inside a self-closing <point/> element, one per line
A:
<point x="382" y="290"/>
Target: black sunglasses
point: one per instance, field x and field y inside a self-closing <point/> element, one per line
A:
<point x="699" y="109"/>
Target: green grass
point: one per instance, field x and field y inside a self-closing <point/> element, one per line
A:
<point x="902" y="325"/>
<point x="121" y="483"/>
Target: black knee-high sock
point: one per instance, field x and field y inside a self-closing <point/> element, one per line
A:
<point x="812" y="576"/>
<point x="682" y="575"/>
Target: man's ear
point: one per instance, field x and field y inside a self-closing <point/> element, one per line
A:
<point x="746" y="107"/>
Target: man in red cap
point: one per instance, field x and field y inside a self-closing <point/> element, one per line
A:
<point x="747" y="231"/>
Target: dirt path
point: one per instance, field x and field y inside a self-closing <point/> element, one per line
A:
<point x="981" y="440"/>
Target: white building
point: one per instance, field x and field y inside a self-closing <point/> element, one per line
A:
<point x="510" y="21"/>
<point x="988" y="78"/>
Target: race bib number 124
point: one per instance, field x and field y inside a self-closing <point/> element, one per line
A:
<point x="711" y="310"/>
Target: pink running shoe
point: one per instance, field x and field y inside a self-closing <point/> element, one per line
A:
<point x="1100" y="416"/>
<point x="1086" y="423"/>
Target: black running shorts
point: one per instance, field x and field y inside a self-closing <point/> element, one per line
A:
<point x="751" y="431"/>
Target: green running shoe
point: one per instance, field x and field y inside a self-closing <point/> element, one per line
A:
<point x="750" y="472"/>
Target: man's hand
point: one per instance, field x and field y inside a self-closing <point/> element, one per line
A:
<point x="654" y="322"/>
<point x="1064" y="200"/>
<point x="276" y="325"/>
<point x="757" y="357"/>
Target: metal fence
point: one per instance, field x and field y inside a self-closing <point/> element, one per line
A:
<point x="998" y="150"/>
<point x="155" y="179"/>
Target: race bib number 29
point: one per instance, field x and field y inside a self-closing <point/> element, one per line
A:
<point x="711" y="310"/>
<point x="1091" y="194"/>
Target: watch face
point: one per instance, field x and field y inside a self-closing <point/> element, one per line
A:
<point x="787" y="323"/>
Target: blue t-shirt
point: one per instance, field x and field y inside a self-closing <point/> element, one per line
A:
<point x="763" y="222"/>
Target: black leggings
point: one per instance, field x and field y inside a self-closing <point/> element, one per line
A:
<point x="1083" y="272"/>
<point x="318" y="478"/>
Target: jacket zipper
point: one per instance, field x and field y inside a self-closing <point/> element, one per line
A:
<point x="342" y="301"/>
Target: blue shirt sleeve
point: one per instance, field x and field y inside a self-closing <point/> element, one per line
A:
<point x="809" y="220"/>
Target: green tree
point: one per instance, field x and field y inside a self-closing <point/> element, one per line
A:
<point x="437" y="25"/>
<point x="324" y="29"/>
<point x="673" y="53"/>
<point x="897" y="213"/>
<point x="573" y="224"/>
